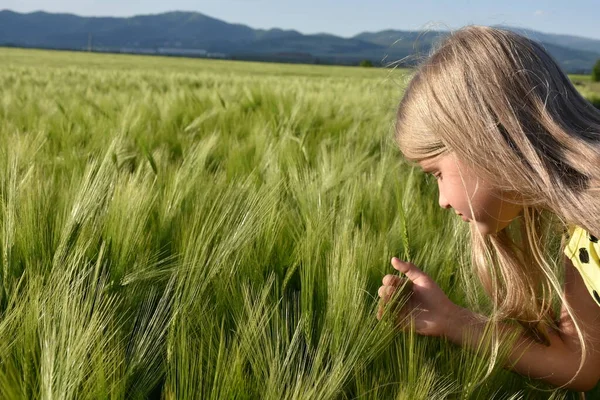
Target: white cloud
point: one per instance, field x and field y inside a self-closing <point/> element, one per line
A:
<point x="538" y="13"/>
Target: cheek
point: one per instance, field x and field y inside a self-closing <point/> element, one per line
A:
<point x="459" y="195"/>
<point x="491" y="213"/>
<point x="485" y="205"/>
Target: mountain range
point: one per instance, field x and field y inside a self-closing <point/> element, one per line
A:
<point x="196" y="34"/>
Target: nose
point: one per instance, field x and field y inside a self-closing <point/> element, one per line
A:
<point x="443" y="201"/>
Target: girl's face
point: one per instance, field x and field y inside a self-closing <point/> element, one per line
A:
<point x="490" y="212"/>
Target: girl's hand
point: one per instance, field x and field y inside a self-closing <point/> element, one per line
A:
<point x="431" y="309"/>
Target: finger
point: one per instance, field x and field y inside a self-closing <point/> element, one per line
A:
<point x="380" y="310"/>
<point x="410" y="270"/>
<point x="425" y="327"/>
<point x="386" y="307"/>
<point x="405" y="321"/>
<point x="386" y="291"/>
<point x="392" y="280"/>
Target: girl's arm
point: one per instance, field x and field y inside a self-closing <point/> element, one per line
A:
<point x="435" y="315"/>
<point x="557" y="363"/>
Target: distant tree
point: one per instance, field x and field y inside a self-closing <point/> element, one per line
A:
<point x="366" y="63"/>
<point x="596" y="72"/>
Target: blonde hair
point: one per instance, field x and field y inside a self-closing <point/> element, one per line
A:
<point x="501" y="104"/>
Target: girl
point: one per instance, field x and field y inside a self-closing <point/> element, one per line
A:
<point x="515" y="150"/>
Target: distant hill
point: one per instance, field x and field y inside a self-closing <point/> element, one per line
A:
<point x="574" y="54"/>
<point x="195" y="34"/>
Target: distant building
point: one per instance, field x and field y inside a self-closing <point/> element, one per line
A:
<point x="137" y="50"/>
<point x="179" y="51"/>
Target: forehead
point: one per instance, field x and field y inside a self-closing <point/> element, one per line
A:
<point x="429" y="164"/>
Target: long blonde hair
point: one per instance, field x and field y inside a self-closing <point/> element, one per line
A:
<point x="501" y="104"/>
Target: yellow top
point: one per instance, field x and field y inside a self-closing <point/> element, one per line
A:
<point x="583" y="249"/>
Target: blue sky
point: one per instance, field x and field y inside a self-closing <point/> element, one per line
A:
<point x="349" y="17"/>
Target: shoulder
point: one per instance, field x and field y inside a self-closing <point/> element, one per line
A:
<point x="583" y="249"/>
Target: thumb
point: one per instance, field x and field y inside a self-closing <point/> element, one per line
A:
<point x="410" y="270"/>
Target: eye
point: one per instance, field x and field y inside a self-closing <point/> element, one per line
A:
<point x="430" y="176"/>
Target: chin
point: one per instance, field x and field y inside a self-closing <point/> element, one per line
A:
<point x="488" y="229"/>
<point x="484" y="228"/>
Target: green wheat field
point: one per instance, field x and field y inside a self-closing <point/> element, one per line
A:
<point x="197" y="229"/>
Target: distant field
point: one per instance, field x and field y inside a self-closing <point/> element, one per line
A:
<point x="589" y="89"/>
<point x="183" y="228"/>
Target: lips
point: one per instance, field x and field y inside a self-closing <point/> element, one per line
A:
<point x="462" y="216"/>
